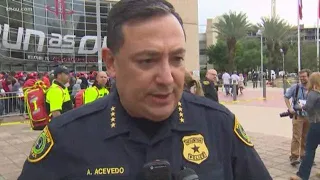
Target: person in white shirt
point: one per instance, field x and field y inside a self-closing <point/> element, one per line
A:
<point x="241" y="83"/>
<point x="226" y="82"/>
<point x="235" y="80"/>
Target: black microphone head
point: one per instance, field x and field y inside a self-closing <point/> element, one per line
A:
<point x="187" y="174"/>
<point x="157" y="170"/>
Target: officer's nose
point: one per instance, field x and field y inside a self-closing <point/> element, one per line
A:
<point x="164" y="73"/>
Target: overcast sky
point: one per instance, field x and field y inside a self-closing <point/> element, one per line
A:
<point x="255" y="9"/>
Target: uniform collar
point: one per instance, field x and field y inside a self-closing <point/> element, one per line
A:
<point x="119" y="121"/>
<point x="58" y="83"/>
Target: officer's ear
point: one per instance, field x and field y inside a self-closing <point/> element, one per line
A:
<point x="108" y="60"/>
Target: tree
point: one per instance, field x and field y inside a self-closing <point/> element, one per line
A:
<point x="276" y="33"/>
<point x="230" y="28"/>
<point x="308" y="57"/>
<point x="218" y="55"/>
<point x="248" y="54"/>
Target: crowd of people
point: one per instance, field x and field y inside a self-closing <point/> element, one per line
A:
<point x="12" y="87"/>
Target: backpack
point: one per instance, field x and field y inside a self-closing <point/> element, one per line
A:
<point x="79" y="98"/>
<point x="35" y="99"/>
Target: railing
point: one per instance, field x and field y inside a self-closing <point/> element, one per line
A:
<point x="12" y="104"/>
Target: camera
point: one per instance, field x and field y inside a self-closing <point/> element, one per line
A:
<point x="296" y="109"/>
<point x="287" y="113"/>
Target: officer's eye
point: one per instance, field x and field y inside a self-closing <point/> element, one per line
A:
<point x="146" y="61"/>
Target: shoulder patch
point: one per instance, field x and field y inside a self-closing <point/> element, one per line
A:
<point x="239" y="131"/>
<point x="206" y="82"/>
<point x="42" y="146"/>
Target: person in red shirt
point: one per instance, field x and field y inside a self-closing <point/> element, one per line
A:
<point x="44" y="78"/>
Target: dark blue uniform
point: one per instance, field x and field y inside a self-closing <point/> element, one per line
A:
<point x="101" y="141"/>
<point x="210" y="90"/>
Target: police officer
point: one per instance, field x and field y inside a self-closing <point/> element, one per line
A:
<point x="98" y="89"/>
<point x="148" y="116"/>
<point x="208" y="85"/>
<point x="58" y="99"/>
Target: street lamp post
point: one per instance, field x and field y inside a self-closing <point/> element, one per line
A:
<point x="99" y="35"/>
<point x="283" y="75"/>
<point x="260" y="33"/>
<point x="282" y="53"/>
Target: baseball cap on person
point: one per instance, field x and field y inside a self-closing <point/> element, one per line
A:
<point x="59" y="70"/>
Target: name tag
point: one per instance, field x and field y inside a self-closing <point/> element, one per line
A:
<point x="107" y="171"/>
<point x="302" y="102"/>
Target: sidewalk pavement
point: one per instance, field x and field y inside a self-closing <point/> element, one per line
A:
<point x="269" y="133"/>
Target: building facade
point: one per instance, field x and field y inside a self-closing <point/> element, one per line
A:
<point x="188" y="10"/>
<point x="207" y="39"/>
<point x="36" y="35"/>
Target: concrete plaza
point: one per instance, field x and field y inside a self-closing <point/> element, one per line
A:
<point x="269" y="133"/>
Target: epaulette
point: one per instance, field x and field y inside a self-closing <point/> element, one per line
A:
<point x="206" y="82"/>
<point x="208" y="103"/>
<point x="82" y="111"/>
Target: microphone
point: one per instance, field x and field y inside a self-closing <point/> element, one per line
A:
<point x="187" y="174"/>
<point x="157" y="170"/>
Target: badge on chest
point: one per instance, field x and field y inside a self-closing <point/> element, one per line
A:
<point x="194" y="148"/>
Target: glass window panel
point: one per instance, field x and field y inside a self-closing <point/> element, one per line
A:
<point x="67" y="31"/>
<point x="92" y="59"/>
<point x="55" y="57"/>
<point x="53" y="14"/>
<point x="15" y="15"/>
<point x="80" y="59"/>
<point x="91" y="33"/>
<point x="91" y="23"/>
<point x="3" y="12"/>
<point x="31" y="68"/>
<point x="43" y="68"/>
<point x="92" y="68"/>
<point x="89" y="44"/>
<point x="5" y="67"/>
<point x="80" y="68"/>
<point x="79" y="34"/>
<point x="17" y="54"/>
<point x="80" y="23"/>
<point x="18" y="67"/>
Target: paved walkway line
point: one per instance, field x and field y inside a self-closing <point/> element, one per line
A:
<point x="246" y="100"/>
<point x="13" y="123"/>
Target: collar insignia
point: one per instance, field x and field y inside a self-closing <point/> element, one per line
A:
<point x="113" y="117"/>
<point x="180" y="110"/>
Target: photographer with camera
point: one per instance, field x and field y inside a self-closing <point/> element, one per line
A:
<point x="312" y="107"/>
<point x="300" y="123"/>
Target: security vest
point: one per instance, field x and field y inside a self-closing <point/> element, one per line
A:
<point x="93" y="93"/>
<point x="58" y="98"/>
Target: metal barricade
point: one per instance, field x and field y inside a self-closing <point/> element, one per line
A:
<point x="12" y="104"/>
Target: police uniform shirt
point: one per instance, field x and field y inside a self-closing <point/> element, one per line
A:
<point x="101" y="141"/>
<point x="210" y="90"/>
<point x="58" y="98"/>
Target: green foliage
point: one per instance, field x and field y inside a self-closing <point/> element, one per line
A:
<point x="276" y="32"/>
<point x="248" y="54"/>
<point x="308" y="57"/>
<point x="218" y="55"/>
<point x="236" y="51"/>
<point x="230" y="28"/>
